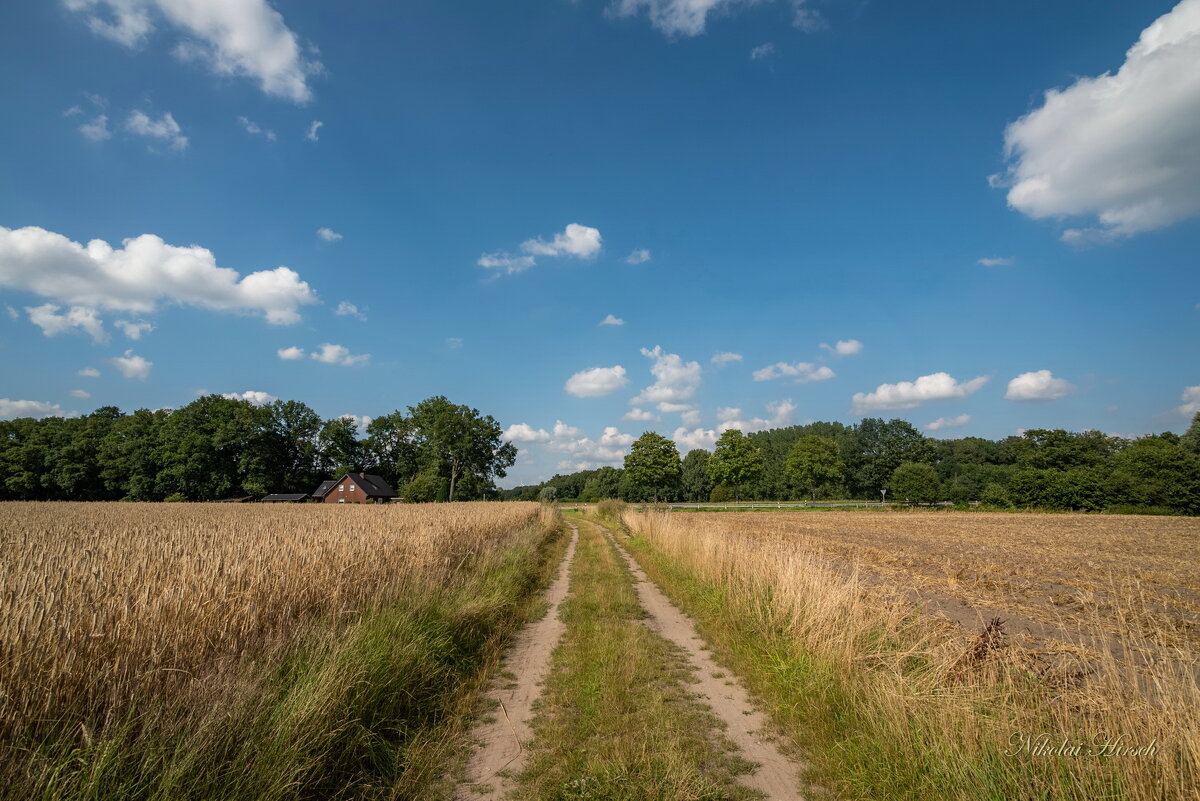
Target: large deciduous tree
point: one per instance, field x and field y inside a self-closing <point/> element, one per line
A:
<point x="697" y="486"/>
<point x="652" y="467"/>
<point x="915" y="482"/>
<point x="736" y="462"/>
<point x="460" y="443"/>
<point x="813" y="464"/>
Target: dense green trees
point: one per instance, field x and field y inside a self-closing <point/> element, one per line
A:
<point x="652" y="469"/>
<point x="1051" y="469"/>
<point x="217" y="447"/>
<point x="813" y="465"/>
<point x="736" y="462"/>
<point x="697" y="486"/>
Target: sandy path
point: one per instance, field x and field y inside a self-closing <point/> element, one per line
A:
<point x="778" y="776"/>
<point x="504" y="738"/>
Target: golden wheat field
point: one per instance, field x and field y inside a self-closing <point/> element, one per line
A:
<point x="1104" y="609"/>
<point x="103" y="603"/>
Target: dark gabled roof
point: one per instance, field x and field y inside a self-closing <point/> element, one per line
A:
<point x="374" y="486"/>
<point x="286" y="496"/>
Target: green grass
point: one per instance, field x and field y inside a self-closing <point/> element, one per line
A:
<point x="375" y="709"/>
<point x="617" y="721"/>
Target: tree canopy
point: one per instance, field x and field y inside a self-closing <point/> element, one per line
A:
<point x="652" y="468"/>
<point x="736" y="462"/>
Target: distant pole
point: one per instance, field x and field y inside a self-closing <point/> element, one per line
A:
<point x="882" y="497"/>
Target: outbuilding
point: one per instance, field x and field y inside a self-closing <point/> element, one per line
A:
<point x="287" y="497"/>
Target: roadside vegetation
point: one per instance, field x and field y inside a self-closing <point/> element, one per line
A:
<point x="1041" y="469"/>
<point x="617" y="721"/>
<point x="888" y="702"/>
<point x="200" y="652"/>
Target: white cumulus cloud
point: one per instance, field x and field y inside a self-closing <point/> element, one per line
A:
<point x="1119" y="147"/>
<point x="254" y="396"/>
<point x="80" y="393"/>
<point x="725" y="357"/>
<point x="909" y="394"/>
<point x="328" y="234"/>
<point x="246" y="38"/>
<point x="47" y="318"/>
<point x="1191" y="401"/>
<point x="948" y="422"/>
<point x="676" y="18"/>
<point x="802" y="372"/>
<point x="348" y="309"/>
<point x="1039" y="385"/>
<point x="144" y="271"/>
<point x="997" y="261"/>
<point x="675" y="380"/>
<point x="596" y="382"/>
<point x="97" y="129"/>
<point x="575" y="241"/>
<point x="612" y="320"/>
<point x="291" y="354"/>
<point x="132" y="366"/>
<point x="134" y="330"/>
<point x="640" y="415"/>
<point x="844" y="347"/>
<point x="523" y="432"/>
<point x="314" y="128"/>
<point x="639" y="256"/>
<point x="10" y="409"/>
<point x="164" y="128"/>
<point x="338" y="354"/>
<point x="88" y="372"/>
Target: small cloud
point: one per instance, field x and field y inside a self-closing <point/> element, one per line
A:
<point x="1191" y="401"/>
<point x="328" y="234"/>
<point x="255" y="129"/>
<point x="254" y="396"/>
<point x="596" y="382"/>
<point x="80" y="393"/>
<point x="73" y="111"/>
<point x="948" y="422"/>
<point x="523" y="432"/>
<point x="132" y="366"/>
<point x="454" y="343"/>
<point x="997" y="261"/>
<point x="291" y="354"/>
<point x="47" y="318"/>
<point x="13" y="314"/>
<point x="639" y="256"/>
<point x="640" y="415"/>
<point x="575" y="241"/>
<point x="360" y="421"/>
<point x="88" y="372"/>
<point x="844" y="347"/>
<point x="725" y="357"/>
<point x="803" y="372"/>
<point x="348" y="309"/>
<point x="339" y="354"/>
<point x="1039" y="385"/>
<point x="164" y="128"/>
<point x="97" y="129"/>
<point x="505" y="263"/>
<point x="612" y="320"/>
<point x="764" y="50"/>
<point x="134" y="330"/>
<point x="10" y="409"/>
<point x="313" y="127"/>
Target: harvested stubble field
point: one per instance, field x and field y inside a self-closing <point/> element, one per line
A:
<point x="866" y="632"/>
<point x="188" y="650"/>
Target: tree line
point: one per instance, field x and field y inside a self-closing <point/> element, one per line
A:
<point x="1043" y="468"/>
<point x="217" y="447"/>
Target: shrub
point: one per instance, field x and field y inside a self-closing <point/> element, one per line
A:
<point x="611" y="509"/>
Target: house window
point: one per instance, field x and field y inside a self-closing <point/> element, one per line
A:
<point x="341" y="500"/>
<point x="352" y="488"/>
<point x="341" y="487"/>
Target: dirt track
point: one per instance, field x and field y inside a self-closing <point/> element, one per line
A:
<point x="504" y="735"/>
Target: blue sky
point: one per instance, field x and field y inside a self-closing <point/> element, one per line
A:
<point x="759" y="179"/>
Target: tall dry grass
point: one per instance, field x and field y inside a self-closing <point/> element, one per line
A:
<point x="892" y="702"/>
<point x="159" y="613"/>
